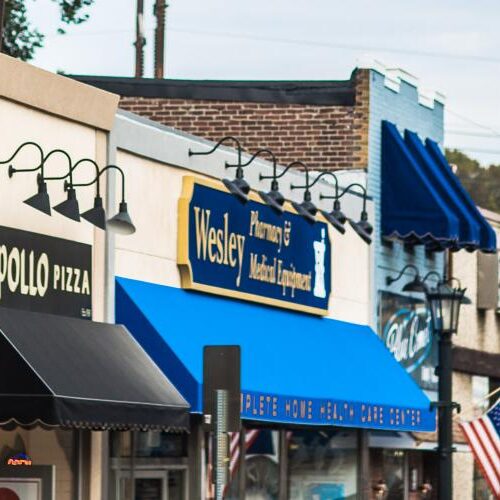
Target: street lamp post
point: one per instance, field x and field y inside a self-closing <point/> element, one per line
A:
<point x="444" y="303"/>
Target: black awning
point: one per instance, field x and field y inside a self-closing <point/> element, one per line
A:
<point x="58" y="371"/>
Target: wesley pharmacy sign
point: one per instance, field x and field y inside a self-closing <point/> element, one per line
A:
<point x="248" y="251"/>
<point x="45" y="274"/>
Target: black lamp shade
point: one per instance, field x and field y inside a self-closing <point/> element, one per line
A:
<point x="363" y="228"/>
<point x="307" y="209"/>
<point x="121" y="223"/>
<point x="330" y="217"/>
<point x="337" y="212"/>
<point x="444" y="303"/>
<point x="41" y="200"/>
<point x="416" y="286"/>
<point x="239" y="187"/>
<point x="69" y="207"/>
<point x="274" y="199"/>
<point x="96" y="215"/>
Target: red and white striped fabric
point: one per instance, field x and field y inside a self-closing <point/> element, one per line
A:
<point x="234" y="454"/>
<point x="483" y="436"/>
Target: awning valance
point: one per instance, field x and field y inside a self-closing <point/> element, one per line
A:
<point x="423" y="201"/>
<point x="296" y="369"/>
<point x="67" y="372"/>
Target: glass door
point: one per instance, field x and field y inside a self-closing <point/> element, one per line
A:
<point x="166" y="484"/>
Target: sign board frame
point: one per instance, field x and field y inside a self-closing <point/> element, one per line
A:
<point x="188" y="280"/>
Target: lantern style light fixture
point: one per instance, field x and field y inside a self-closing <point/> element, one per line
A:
<point x="238" y="186"/>
<point x="121" y="223"/>
<point x="444" y="303"/>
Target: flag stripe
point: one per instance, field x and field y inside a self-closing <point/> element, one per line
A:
<point x="489" y="444"/>
<point x="488" y="473"/>
<point x="482" y="440"/>
<point x="495" y="439"/>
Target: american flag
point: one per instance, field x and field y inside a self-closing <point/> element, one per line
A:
<point x="483" y="436"/>
<point x="234" y="454"/>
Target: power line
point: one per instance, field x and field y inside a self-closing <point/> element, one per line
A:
<point x="477" y="150"/>
<point x="309" y="43"/>
<point x="473" y="122"/>
<point x="472" y="134"/>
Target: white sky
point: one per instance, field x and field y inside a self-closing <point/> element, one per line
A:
<point x="452" y="46"/>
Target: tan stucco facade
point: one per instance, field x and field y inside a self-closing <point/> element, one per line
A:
<point x="56" y="113"/>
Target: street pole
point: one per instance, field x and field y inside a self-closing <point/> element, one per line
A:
<point x="139" y="40"/>
<point x="445" y="422"/>
<point x="159" y="56"/>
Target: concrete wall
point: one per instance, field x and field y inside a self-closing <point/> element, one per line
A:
<point x="155" y="161"/>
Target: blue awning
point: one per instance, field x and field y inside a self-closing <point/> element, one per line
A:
<point x="487" y="236"/>
<point x="296" y="368"/>
<point x="412" y="209"/>
<point x="423" y="202"/>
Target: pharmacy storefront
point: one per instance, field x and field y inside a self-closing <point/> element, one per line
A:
<point x="208" y="266"/>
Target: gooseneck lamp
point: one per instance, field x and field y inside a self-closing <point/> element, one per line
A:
<point x="40" y="201"/>
<point x="121" y="223"/>
<point x="238" y="186"/>
<point x="336" y="217"/>
<point x="415" y="285"/>
<point x="272" y="198"/>
<point x="307" y="208"/>
<point x="363" y="228"/>
<point x="69" y="207"/>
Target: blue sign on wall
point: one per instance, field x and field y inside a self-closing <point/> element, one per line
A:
<point x="248" y="251"/>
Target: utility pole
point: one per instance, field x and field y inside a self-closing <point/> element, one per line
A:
<point x="140" y="39"/>
<point x="160" y="11"/>
<point x="2" y="20"/>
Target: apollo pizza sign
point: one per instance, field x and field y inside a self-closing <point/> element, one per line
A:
<point x="45" y="274"/>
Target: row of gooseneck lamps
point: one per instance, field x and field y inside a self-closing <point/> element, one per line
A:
<point x="240" y="188"/>
<point x="121" y="223"/>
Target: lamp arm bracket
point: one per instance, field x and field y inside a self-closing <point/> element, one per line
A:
<point x="389" y="280"/>
<point x="96" y="179"/>
<point x="254" y="156"/>
<point x="217" y="145"/>
<point x="12" y="170"/>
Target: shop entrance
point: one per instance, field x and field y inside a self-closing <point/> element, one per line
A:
<point x="152" y="484"/>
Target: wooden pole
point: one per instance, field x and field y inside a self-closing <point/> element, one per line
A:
<point x="160" y="13"/>
<point x="140" y="40"/>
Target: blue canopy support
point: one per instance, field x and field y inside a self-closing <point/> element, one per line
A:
<point x="412" y="208"/>
<point x="487" y="236"/>
<point x="296" y="368"/>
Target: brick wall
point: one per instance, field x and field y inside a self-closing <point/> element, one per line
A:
<point x="323" y="136"/>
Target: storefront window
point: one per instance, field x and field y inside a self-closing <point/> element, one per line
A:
<point x="151" y="444"/>
<point x="393" y="471"/>
<point x="261" y="465"/>
<point x="154" y="463"/>
<point x="322" y="464"/>
<point x="480" y="390"/>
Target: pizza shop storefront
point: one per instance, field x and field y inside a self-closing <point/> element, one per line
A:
<point x="67" y="377"/>
<point x="205" y="268"/>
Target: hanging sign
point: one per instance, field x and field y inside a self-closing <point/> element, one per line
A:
<point x="248" y="251"/>
<point x="405" y="328"/>
<point x="45" y="274"/>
